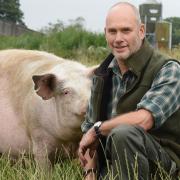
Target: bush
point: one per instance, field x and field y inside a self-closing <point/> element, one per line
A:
<point x="72" y="42"/>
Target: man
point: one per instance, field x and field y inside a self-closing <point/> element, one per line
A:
<point x="133" y="112"/>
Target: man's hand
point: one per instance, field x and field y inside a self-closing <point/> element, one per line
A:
<point x="91" y="160"/>
<point x="89" y="140"/>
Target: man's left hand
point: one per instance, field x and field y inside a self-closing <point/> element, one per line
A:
<point x="89" y="140"/>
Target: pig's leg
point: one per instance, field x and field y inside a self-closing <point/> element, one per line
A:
<point x="42" y="147"/>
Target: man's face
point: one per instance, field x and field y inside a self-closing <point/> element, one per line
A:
<point x="123" y="33"/>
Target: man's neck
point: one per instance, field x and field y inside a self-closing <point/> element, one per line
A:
<point x="122" y="66"/>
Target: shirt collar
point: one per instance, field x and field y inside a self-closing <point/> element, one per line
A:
<point x="115" y="68"/>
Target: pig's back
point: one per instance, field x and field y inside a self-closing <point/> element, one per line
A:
<point x="18" y="66"/>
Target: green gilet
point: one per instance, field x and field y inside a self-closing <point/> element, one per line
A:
<point x="145" y="64"/>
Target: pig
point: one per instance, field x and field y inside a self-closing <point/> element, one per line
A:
<point x="43" y="100"/>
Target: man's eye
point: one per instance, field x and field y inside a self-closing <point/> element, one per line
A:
<point x="112" y="31"/>
<point x="127" y="30"/>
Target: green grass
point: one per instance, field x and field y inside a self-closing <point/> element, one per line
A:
<point x="25" y="169"/>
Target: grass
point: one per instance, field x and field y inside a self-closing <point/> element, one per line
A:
<point x="25" y="169"/>
<point x="69" y="169"/>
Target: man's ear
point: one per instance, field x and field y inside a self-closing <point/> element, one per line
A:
<point x="142" y="31"/>
<point x="105" y="33"/>
<point x="44" y="85"/>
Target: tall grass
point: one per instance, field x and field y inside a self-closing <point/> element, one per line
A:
<point x="25" y="169"/>
<point x="72" y="42"/>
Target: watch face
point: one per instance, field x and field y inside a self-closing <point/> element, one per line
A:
<point x="97" y="124"/>
<point x="96" y="128"/>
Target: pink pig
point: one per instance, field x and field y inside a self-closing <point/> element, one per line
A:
<point x="43" y="99"/>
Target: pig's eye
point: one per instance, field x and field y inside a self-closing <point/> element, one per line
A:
<point x="66" y="91"/>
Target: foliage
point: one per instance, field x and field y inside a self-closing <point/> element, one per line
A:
<point x="10" y="11"/>
<point x="175" y="29"/>
<point x="71" y="41"/>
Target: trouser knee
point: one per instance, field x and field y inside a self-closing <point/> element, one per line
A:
<point x="124" y="133"/>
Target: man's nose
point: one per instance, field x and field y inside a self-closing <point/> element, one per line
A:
<point x="119" y="37"/>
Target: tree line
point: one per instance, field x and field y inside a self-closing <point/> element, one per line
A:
<point x="10" y="11"/>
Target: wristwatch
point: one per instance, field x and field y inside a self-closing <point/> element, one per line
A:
<point x="96" y="126"/>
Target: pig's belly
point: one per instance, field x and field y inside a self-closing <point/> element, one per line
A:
<point x="13" y="135"/>
<point x="14" y="141"/>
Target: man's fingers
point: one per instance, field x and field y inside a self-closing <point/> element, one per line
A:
<point x="82" y="160"/>
<point x="81" y="157"/>
<point x="92" y="153"/>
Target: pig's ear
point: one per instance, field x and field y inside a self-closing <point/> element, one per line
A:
<point x="44" y="85"/>
<point x="90" y="70"/>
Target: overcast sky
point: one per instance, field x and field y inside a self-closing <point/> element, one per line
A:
<point x="38" y="13"/>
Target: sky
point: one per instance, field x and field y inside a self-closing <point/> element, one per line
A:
<point x="39" y="13"/>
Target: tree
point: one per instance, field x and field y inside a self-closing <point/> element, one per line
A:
<point x="175" y="29"/>
<point x="10" y="11"/>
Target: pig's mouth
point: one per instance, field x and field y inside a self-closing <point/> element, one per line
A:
<point x="80" y="116"/>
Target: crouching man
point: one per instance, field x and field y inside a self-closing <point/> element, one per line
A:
<point x="133" y="118"/>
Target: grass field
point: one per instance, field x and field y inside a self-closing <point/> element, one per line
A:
<point x="25" y="169"/>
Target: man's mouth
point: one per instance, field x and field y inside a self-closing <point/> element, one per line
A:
<point x="120" y="48"/>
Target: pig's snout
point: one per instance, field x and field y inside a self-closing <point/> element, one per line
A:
<point x="82" y="111"/>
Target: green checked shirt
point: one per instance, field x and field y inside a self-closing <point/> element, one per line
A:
<point x="162" y="99"/>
